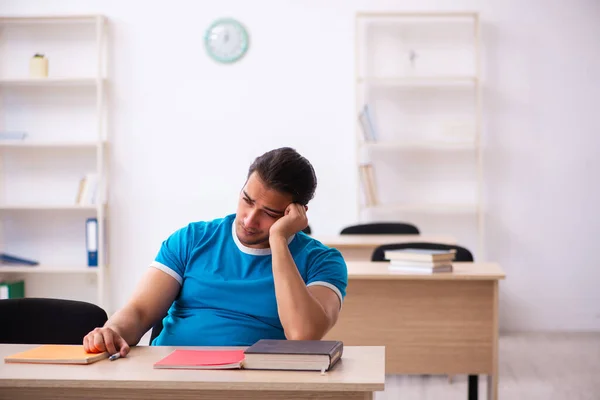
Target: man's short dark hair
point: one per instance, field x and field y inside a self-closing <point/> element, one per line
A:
<point x="286" y="171"/>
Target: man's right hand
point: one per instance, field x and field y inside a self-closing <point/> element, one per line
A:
<point x="105" y="339"/>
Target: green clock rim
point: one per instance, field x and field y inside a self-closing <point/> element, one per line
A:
<point x="245" y="43"/>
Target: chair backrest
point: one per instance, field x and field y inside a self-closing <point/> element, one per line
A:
<point x="48" y="321"/>
<point x="462" y="254"/>
<point x="156" y="329"/>
<point x="381" y="228"/>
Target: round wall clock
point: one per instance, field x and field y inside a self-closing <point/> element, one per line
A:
<point x="226" y="40"/>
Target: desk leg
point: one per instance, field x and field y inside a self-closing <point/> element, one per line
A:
<point x="492" y="387"/>
<point x="492" y="380"/>
<point x="473" y="387"/>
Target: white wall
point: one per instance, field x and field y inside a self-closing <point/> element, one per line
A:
<point x="185" y="130"/>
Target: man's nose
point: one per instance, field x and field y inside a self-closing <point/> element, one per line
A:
<point x="251" y="219"/>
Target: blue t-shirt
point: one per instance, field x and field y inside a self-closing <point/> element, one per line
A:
<point x="227" y="295"/>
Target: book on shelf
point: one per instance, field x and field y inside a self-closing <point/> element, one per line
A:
<point x="367" y="180"/>
<point x="88" y="192"/>
<point x="367" y="124"/>
<point x="265" y="354"/>
<point x="12" y="135"/>
<point x="56" y="354"/>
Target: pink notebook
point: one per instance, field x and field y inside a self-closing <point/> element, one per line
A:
<point x="202" y="359"/>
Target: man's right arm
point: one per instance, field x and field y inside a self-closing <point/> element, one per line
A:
<point x="150" y="301"/>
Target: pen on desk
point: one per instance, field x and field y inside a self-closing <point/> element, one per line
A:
<point x="114" y="356"/>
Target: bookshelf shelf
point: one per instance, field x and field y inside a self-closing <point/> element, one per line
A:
<point x="416" y="145"/>
<point x="418" y="120"/>
<point x="419" y="80"/>
<point x="49" y="19"/>
<point x="54" y="154"/>
<point x="49" y="269"/>
<point x="42" y="82"/>
<point x="50" y="145"/>
<point x="47" y="207"/>
<point x="425" y="207"/>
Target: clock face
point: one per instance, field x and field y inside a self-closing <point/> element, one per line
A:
<point x="226" y="40"/>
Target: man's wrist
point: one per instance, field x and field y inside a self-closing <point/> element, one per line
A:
<point x="277" y="239"/>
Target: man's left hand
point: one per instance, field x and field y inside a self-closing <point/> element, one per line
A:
<point x="293" y="221"/>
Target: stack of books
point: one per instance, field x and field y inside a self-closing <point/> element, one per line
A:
<point x="420" y="260"/>
<point x="265" y="354"/>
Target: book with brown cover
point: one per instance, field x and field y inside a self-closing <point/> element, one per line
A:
<point x="309" y="355"/>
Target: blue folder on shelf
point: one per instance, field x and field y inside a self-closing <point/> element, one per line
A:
<point x="91" y="241"/>
<point x="10" y="259"/>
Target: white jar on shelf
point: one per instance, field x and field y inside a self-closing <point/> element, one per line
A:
<point x="38" y="66"/>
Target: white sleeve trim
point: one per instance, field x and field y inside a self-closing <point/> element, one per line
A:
<point x="167" y="270"/>
<point x="330" y="286"/>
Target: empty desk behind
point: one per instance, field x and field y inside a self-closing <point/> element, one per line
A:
<point x="360" y="247"/>
<point x="443" y="323"/>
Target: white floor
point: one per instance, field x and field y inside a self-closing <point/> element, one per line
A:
<point x="532" y="367"/>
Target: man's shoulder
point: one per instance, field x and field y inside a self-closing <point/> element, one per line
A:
<point x="198" y="231"/>
<point x="314" y="249"/>
<point x="210" y="225"/>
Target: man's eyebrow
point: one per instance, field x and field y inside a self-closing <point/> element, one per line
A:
<point x="266" y="208"/>
<point x="246" y="194"/>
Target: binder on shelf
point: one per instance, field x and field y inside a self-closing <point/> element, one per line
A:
<point x="91" y="241"/>
<point x="12" y="290"/>
<point x="10" y="259"/>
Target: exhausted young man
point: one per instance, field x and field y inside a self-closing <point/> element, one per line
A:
<point x="247" y="276"/>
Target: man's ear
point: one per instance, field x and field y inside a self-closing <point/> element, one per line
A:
<point x="305" y="208"/>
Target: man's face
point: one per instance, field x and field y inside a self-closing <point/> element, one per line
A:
<point x="258" y="208"/>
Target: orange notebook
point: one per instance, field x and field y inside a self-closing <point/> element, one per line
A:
<point x="56" y="354"/>
<point x="202" y="359"/>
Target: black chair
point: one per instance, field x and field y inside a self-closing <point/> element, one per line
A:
<point x="381" y="228"/>
<point x="462" y="254"/>
<point x="156" y="329"/>
<point x="48" y="321"/>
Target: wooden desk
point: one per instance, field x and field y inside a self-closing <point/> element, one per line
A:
<point x="443" y="323"/>
<point x="360" y="247"/>
<point x="356" y="376"/>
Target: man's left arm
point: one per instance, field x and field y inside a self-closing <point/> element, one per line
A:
<point x="306" y="313"/>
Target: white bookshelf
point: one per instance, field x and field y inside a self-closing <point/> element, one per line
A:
<point x="419" y="73"/>
<point x="64" y="117"/>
